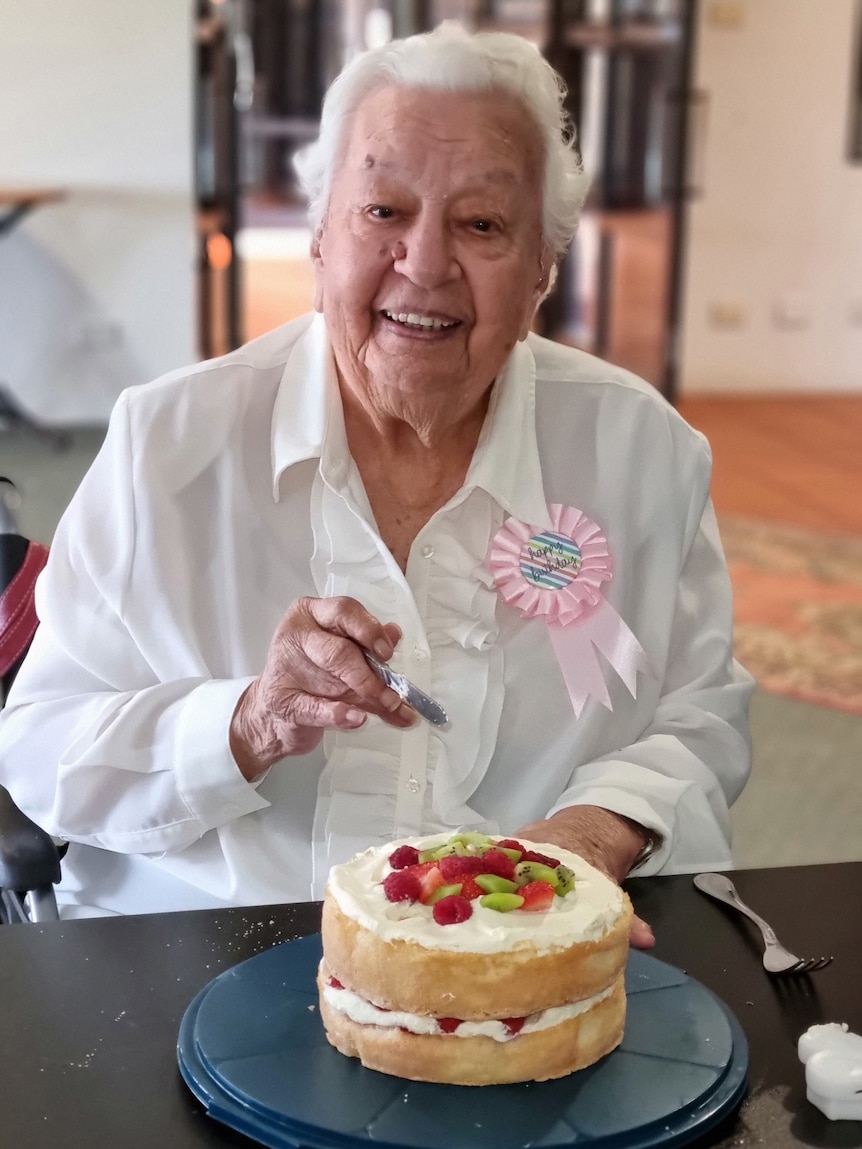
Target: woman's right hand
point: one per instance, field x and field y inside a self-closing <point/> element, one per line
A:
<point x="315" y="678"/>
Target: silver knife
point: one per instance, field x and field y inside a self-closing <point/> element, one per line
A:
<point x="422" y="703"/>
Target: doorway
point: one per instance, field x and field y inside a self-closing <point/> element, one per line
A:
<point x="627" y="65"/>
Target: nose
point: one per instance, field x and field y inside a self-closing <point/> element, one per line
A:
<point x="425" y="253"/>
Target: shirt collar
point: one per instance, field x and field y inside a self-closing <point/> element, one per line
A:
<point x="506" y="462"/>
<point x="302" y="404"/>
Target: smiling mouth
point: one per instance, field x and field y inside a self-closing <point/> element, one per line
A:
<point x="419" y="322"/>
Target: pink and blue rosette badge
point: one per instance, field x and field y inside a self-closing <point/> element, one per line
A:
<point x="558" y="574"/>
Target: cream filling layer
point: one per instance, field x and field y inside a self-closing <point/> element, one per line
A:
<point x="583" y="915"/>
<point x="363" y="1012"/>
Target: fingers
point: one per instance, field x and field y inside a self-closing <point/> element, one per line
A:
<point x="323" y="649"/>
<point x="315" y="678"/>
<point x="348" y="618"/>
<point x="312" y="711"/>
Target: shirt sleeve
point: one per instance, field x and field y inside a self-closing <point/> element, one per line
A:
<point x="692" y="761"/>
<point x="93" y="746"/>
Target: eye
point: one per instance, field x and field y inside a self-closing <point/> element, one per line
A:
<point x="483" y="226"/>
<point x="379" y="211"/>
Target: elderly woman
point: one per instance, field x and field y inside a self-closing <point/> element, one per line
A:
<point x="522" y="530"/>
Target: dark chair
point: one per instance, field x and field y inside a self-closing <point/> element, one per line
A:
<point x="29" y="858"/>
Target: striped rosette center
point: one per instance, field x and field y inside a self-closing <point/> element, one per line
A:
<point x="557" y="573"/>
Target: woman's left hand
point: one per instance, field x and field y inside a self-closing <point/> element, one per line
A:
<point x="604" y="839"/>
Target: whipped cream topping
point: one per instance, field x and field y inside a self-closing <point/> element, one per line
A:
<point x="363" y="1012"/>
<point x="583" y="915"/>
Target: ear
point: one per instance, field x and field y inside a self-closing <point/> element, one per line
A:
<point x="317" y="263"/>
<point x="544" y="283"/>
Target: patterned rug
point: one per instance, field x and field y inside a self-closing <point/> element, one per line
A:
<point x="797" y="610"/>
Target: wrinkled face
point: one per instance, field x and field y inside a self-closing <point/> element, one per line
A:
<point x="430" y="262"/>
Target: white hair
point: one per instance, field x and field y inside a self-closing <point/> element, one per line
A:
<point x="452" y="59"/>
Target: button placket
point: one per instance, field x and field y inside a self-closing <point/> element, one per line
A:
<point x="411" y="781"/>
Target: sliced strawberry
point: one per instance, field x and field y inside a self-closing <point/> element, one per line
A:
<point x="452" y="867"/>
<point x="538" y="896"/>
<point x="495" y="862"/>
<point x="511" y="844"/>
<point x="334" y="982"/>
<point x="513" y="1025"/>
<point x="535" y="856"/>
<point x="429" y="881"/>
<point x="421" y="869"/>
<point x="448" y="1024"/>
<point x="471" y="890"/>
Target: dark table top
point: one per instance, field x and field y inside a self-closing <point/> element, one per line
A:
<point x="91" y="1009"/>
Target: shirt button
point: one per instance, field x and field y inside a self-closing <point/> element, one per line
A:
<point x="427" y="551"/>
<point x="412" y="785"/>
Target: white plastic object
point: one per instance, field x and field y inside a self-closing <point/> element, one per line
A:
<point x="832" y="1057"/>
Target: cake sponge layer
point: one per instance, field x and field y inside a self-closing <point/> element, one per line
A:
<point x="452" y="1060"/>
<point x="471" y="986"/>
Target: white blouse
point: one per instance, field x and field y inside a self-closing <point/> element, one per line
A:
<point x="225" y="491"/>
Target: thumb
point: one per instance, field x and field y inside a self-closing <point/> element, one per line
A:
<point x="393" y="631"/>
<point x="641" y="937"/>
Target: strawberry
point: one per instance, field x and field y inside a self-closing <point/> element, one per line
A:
<point x="513" y="1025"/>
<point x="452" y="867"/>
<point x="511" y="844"/>
<point x="470" y="889"/>
<point x="535" y="856"/>
<point x="448" y="1024"/>
<point x="334" y="982"/>
<point x="403" y="857"/>
<point x="402" y="886"/>
<point x="538" y="897"/>
<point x="495" y="862"/>
<point x="429" y="880"/>
<point x="449" y="911"/>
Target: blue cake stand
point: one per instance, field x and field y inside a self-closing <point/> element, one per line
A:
<point x="252" y="1049"/>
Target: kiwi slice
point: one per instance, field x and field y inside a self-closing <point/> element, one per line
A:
<point x="536" y="872"/>
<point x="513" y="855"/>
<point x="565" y="880"/>
<point x="492" y="884"/>
<point x="444" y="892"/>
<point x="501" y="902"/>
<point x="472" y="838"/>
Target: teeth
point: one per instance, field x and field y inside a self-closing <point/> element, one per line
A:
<point x="410" y="319"/>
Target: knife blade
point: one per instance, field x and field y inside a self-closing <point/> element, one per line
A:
<point x="406" y="690"/>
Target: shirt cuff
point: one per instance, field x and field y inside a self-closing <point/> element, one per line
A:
<point x="658" y="821"/>
<point x="208" y="778"/>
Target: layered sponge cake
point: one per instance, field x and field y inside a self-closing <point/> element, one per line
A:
<point x="472" y="960"/>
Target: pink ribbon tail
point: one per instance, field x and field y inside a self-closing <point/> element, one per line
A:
<point x="576" y="650"/>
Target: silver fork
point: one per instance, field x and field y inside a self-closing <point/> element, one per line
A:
<point x="777" y="958"/>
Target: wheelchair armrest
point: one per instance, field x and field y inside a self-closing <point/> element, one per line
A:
<point x="29" y="857"/>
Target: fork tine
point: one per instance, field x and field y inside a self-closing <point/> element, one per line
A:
<point x="809" y="965"/>
<point x="800" y="967"/>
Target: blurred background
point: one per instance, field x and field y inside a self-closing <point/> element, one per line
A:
<point x="149" y="217"/>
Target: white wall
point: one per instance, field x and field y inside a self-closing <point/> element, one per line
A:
<point x="97" y="291"/>
<point x="773" y="277"/>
